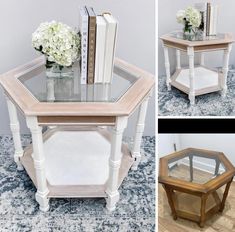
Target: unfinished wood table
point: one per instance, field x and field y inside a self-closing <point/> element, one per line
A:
<point x="81" y="153"/>
<point x="199" y="79"/>
<point x="180" y="174"/>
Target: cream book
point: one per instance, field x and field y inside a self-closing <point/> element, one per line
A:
<point x="100" y="48"/>
<point x="111" y="34"/>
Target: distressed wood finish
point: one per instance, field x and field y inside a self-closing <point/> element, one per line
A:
<point x="30" y="106"/>
<point x="203" y="191"/>
<point x="192" y="47"/>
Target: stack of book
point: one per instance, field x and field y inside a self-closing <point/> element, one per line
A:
<point x="98" y="39"/>
<point x="209" y="18"/>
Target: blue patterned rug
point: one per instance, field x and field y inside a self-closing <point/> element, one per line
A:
<point x="176" y="103"/>
<point x="19" y="210"/>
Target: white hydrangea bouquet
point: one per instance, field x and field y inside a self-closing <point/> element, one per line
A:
<point x="190" y="18"/>
<point x="58" y="42"/>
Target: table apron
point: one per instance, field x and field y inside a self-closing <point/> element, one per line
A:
<point x="76" y="120"/>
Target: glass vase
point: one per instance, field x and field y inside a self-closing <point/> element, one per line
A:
<point x="54" y="70"/>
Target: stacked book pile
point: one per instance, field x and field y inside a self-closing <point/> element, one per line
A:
<point x="209" y="18"/>
<point x="98" y="39"/>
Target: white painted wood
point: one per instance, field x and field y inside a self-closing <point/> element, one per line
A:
<point x="167" y="66"/>
<point x="202" y="59"/>
<point x="15" y="129"/>
<point x="39" y="163"/>
<point x="50" y="90"/>
<point x="77" y="158"/>
<point x="225" y="69"/>
<point x="136" y="154"/>
<point x="204" y="78"/>
<point x="178" y="65"/>
<point x="191" y="75"/>
<point x="114" y="163"/>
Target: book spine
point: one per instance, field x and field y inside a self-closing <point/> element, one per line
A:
<point x="91" y="49"/>
<point x="100" y="49"/>
<point x="84" y="44"/>
<point x="208" y="19"/>
<point x="215" y="19"/>
<point x="211" y="20"/>
<point x="111" y="34"/>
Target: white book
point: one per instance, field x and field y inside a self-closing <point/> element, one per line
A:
<point x="84" y="43"/>
<point x="215" y="18"/>
<point x="111" y="34"/>
<point x="211" y="20"/>
<point x="100" y="48"/>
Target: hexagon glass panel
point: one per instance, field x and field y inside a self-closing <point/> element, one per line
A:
<point x="190" y="166"/>
<point x="51" y="88"/>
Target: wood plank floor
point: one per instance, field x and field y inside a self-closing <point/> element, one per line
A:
<point x="224" y="222"/>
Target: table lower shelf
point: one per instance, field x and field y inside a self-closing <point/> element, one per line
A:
<point x="205" y="80"/>
<point x="77" y="161"/>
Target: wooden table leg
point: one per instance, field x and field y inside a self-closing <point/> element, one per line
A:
<point x="190" y="53"/>
<point x="217" y="167"/>
<point x="15" y="129"/>
<point x="178" y="65"/>
<point x="225" y="69"/>
<point x="167" y="66"/>
<point x="203" y="210"/>
<point x="225" y="195"/>
<point x="139" y="132"/>
<point x="115" y="162"/>
<point x="170" y="194"/>
<point x="191" y="167"/>
<point x="39" y="163"/>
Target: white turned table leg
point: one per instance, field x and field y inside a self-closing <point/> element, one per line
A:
<point x="39" y="163"/>
<point x="225" y="69"/>
<point x="167" y="66"/>
<point x="115" y="162"/>
<point x="202" y="59"/>
<point x="15" y="129"/>
<point x="178" y="64"/>
<point x="191" y="75"/>
<point x="139" y="133"/>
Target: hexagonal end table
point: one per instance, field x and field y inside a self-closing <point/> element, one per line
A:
<point x="184" y="173"/>
<point x="81" y="153"/>
<point x="197" y="79"/>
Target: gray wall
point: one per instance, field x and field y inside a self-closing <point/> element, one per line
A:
<point x="167" y="10"/>
<point x="18" y="19"/>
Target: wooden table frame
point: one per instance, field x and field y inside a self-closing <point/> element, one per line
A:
<point x="190" y="48"/>
<point x="114" y="115"/>
<point x="171" y="184"/>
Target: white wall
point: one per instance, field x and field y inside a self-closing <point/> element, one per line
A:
<point x="217" y="142"/>
<point x="166" y="143"/>
<point x="18" y="19"/>
<point x="167" y="10"/>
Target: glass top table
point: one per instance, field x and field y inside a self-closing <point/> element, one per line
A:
<point x="196" y="175"/>
<point x="198" y="36"/>
<point x="190" y="167"/>
<point x="69" y="89"/>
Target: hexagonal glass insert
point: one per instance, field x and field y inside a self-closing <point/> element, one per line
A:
<point x="195" y="167"/>
<point x="196" y="36"/>
<point x="69" y="89"/>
